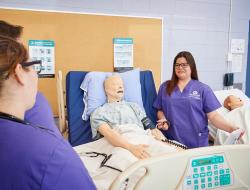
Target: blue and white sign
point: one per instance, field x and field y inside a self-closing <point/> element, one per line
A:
<point x="123" y="53"/>
<point x="43" y="50"/>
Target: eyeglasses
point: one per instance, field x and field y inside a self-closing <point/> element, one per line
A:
<point x="37" y="65"/>
<point x="183" y="65"/>
<point x="27" y="64"/>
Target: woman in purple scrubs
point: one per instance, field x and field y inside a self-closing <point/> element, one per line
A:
<point x="40" y="113"/>
<point x="187" y="105"/>
<point x="32" y="157"/>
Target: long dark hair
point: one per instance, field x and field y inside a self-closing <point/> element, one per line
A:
<point x="174" y="79"/>
<point x="10" y="30"/>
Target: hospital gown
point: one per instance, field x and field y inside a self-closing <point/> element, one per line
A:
<point x="116" y="113"/>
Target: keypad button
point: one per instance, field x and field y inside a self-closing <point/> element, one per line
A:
<point x="202" y="174"/>
<point x="209" y="173"/>
<point x="196" y="187"/>
<point x="202" y="169"/>
<point x="203" y="180"/>
<point x="209" y="185"/>
<point x="196" y="181"/>
<point x="195" y="175"/>
<point x="189" y="182"/>
<point x="194" y="163"/>
<point x="203" y="186"/>
<point x="208" y="167"/>
<point x="195" y="170"/>
<point x="221" y="171"/>
<point x="216" y="172"/>
<point x="225" y="179"/>
<point x="209" y="179"/>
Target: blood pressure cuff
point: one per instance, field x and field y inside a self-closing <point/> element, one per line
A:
<point x="147" y="123"/>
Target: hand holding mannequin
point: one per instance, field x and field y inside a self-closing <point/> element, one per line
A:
<point x="188" y="104"/>
<point x="232" y="102"/>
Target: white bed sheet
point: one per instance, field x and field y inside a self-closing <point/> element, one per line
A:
<point x="238" y="116"/>
<point x="121" y="158"/>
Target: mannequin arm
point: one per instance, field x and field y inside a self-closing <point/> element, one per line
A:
<point x="117" y="140"/>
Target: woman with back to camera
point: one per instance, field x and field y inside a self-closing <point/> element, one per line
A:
<point x="41" y="112"/>
<point x="185" y="105"/>
<point x="32" y="157"/>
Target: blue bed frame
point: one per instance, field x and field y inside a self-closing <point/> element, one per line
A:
<point x="79" y="130"/>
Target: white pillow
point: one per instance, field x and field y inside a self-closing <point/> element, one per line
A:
<point x="222" y="94"/>
<point x="94" y="94"/>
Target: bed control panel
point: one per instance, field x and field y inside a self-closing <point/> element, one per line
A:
<point x="208" y="172"/>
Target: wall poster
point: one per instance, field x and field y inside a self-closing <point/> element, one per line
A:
<point x="43" y="50"/>
<point x="123" y="54"/>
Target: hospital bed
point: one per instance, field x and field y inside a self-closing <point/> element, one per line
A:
<point x="79" y="130"/>
<point x="220" y="167"/>
<point x="239" y="116"/>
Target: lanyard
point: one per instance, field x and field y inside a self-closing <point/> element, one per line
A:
<point x="18" y="120"/>
<point x="12" y="118"/>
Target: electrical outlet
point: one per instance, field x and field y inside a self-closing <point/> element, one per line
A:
<point x="238" y="86"/>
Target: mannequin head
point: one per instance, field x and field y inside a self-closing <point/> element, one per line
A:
<point x="233" y="102"/>
<point x="114" y="89"/>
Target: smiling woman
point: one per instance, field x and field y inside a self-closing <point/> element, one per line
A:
<point x="188" y="104"/>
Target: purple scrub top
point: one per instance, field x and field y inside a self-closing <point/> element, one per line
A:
<point x="37" y="159"/>
<point x="186" y="112"/>
<point x="41" y="114"/>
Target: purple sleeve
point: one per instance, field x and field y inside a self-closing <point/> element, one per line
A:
<point x="209" y="100"/>
<point x="158" y="101"/>
<point x="41" y="114"/>
<point x="66" y="171"/>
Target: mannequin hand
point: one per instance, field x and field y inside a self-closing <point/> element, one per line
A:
<point x="162" y="124"/>
<point x="157" y="134"/>
<point x="139" y="151"/>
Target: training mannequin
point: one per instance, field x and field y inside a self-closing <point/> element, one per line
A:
<point x="233" y="102"/>
<point x="238" y="115"/>
<point x="117" y="112"/>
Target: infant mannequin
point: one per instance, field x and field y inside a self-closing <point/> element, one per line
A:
<point x="233" y="102"/>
